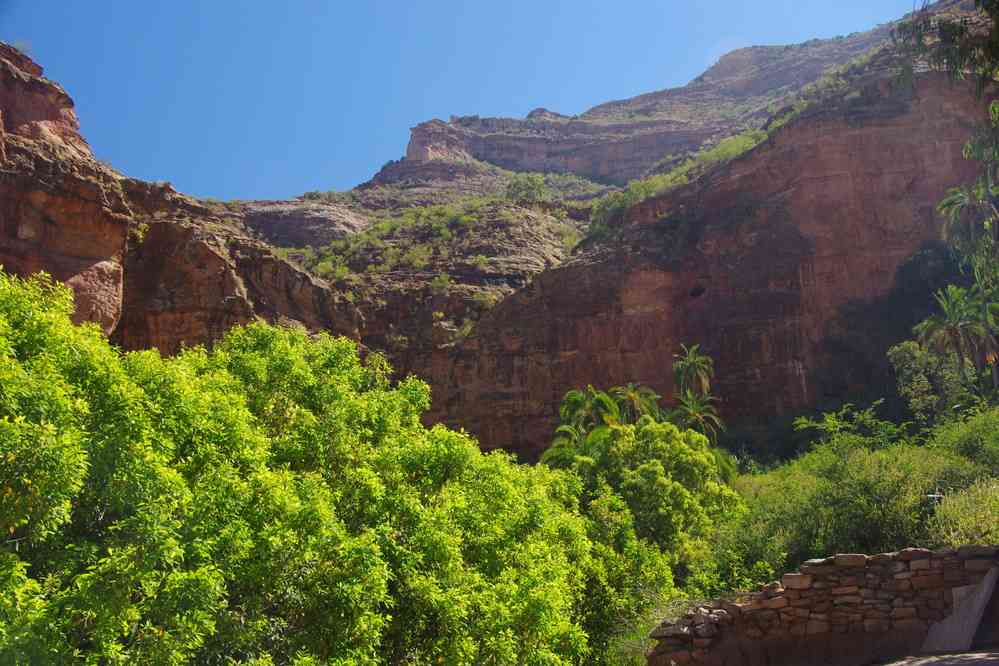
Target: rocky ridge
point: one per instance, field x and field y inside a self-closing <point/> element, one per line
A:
<point x="622" y="140"/>
<point x="755" y="262"/>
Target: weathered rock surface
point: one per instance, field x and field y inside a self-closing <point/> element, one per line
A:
<point x="192" y="271"/>
<point x="753" y="263"/>
<point x="188" y="283"/>
<point x="60" y="210"/>
<point x="299" y="223"/>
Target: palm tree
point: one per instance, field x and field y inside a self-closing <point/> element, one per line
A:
<point x="696" y="411"/>
<point x="971" y="226"/>
<point x="588" y="408"/>
<point x="692" y="370"/>
<point x="958" y="328"/>
<point x="635" y="401"/>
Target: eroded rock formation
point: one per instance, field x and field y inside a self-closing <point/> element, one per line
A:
<point x="192" y="271"/>
<point x="60" y="210"/>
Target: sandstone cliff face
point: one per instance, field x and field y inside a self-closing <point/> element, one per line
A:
<point x="300" y="223"/>
<point x="188" y="283"/>
<point x="753" y="263"/>
<point x="60" y="210"/>
<point x="181" y="271"/>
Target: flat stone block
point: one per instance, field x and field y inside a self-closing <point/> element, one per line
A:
<point x="965" y="552"/>
<point x="850" y="560"/>
<point x="793" y="581"/>
<point x="978" y="565"/>
<point x="909" y="554"/>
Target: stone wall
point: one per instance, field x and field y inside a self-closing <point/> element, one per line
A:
<point x="847" y="609"/>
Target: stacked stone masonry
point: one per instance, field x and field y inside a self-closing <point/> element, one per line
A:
<point x="845" y="609"/>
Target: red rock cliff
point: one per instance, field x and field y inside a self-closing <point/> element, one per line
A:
<point x="753" y="263"/>
<point x="60" y="210"/>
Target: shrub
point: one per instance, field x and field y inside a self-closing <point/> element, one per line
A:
<point x="611" y="206"/>
<point x="975" y="437"/>
<point x="527" y="188"/>
<point x="441" y="284"/>
<point x="970" y="516"/>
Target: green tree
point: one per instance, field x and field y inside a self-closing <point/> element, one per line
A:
<point x="635" y="401"/>
<point x="957" y="328"/>
<point x="278" y="500"/>
<point x="697" y="412"/>
<point x="692" y="371"/>
<point x="667" y="477"/>
<point x="527" y="188"/>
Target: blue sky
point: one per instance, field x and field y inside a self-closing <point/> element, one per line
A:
<point x="269" y="99"/>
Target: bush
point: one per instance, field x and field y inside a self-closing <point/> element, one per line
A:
<point x="527" y="188"/>
<point x="863" y="488"/>
<point x="441" y="284"/>
<point x="968" y="517"/>
<point x="975" y="437"/>
<point x="611" y="206"/>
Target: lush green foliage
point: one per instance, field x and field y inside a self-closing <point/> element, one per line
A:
<point x="968" y="516"/>
<point x="528" y="188"/>
<point x="276" y="500"/>
<point x="428" y="239"/>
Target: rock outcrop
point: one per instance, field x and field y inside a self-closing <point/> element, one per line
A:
<point x="151" y="266"/>
<point x="60" y="210"/>
<point x="189" y="282"/>
<point x="844" y="610"/>
<point x="754" y="263"/>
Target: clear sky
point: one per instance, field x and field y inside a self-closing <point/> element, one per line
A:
<point x="269" y="99"/>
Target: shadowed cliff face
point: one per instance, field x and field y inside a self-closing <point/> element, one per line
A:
<point x="752" y="263"/>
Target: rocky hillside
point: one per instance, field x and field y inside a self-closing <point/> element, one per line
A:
<point x="622" y="140"/>
<point x="764" y="261"/>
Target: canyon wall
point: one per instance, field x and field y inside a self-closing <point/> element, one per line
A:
<point x="755" y="263"/>
<point x="152" y="267"/>
<point x="844" y="610"/>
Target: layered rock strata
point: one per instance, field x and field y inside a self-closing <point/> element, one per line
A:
<point x="622" y="140"/>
